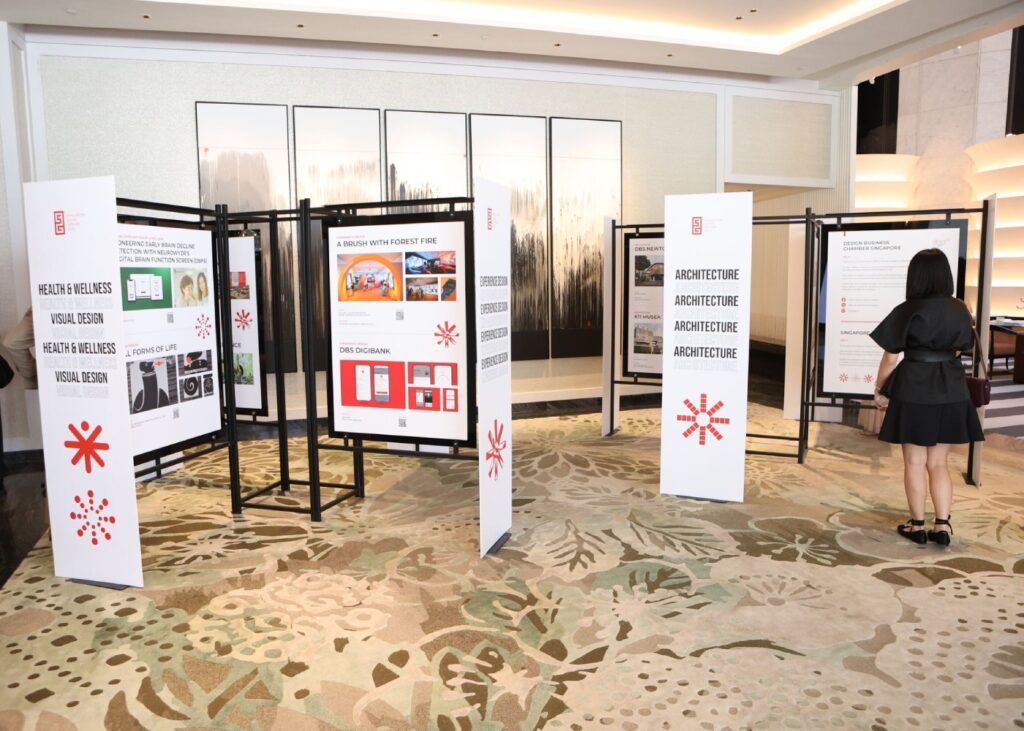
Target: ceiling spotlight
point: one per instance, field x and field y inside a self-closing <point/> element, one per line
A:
<point x="669" y="55"/>
<point x="753" y="10"/>
<point x="436" y="35"/>
<point x="145" y="17"/>
<point x="739" y="17"/>
<point x="557" y="45"/>
<point x="300" y="25"/>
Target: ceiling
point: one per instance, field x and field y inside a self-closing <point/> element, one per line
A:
<point x="834" y="42"/>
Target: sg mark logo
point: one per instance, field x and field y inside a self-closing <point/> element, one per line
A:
<point x="59" y="225"/>
<point x="697" y="225"/>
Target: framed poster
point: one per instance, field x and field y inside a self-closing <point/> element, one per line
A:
<point x="243" y="163"/>
<point x="643" y="337"/>
<point x="864" y="276"/>
<point x="586" y="186"/>
<point x="168" y="296"/>
<point x="247" y="325"/>
<point x="401" y="297"/>
<point x="512" y="151"/>
<point x="425" y="154"/>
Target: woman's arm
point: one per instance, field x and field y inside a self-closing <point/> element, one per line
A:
<point x="885" y="369"/>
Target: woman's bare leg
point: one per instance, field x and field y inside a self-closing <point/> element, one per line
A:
<point x="915" y="478"/>
<point x="939" y="483"/>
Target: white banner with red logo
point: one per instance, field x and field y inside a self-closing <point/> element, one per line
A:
<point x="250" y="387"/>
<point x="706" y="344"/>
<point x="72" y="237"/>
<point x="492" y="233"/>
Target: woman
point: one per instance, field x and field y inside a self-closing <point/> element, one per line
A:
<point x="187" y="290"/>
<point x="925" y="398"/>
<point x="202" y="289"/>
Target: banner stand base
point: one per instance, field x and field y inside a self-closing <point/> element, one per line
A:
<point x="100" y="584"/>
<point x="499" y="543"/>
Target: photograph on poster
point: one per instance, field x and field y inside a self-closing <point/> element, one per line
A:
<point x="145" y="288"/>
<point x="195" y="375"/>
<point x="422" y="289"/>
<point x="239" y="286"/>
<point x="191" y="287"/>
<point x="396" y="358"/>
<point x="647" y="339"/>
<point x="243" y="369"/>
<point x="426" y="155"/>
<point x="586" y="185"/>
<point x="512" y="151"/>
<point x="648" y="270"/>
<point x="370" y="277"/>
<point x="430" y="262"/>
<point x="243" y="163"/>
<point x="152" y="384"/>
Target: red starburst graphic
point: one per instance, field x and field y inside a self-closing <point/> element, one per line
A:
<point x="243" y="319"/>
<point x="86" y="447"/>
<point x="869" y="378"/>
<point x="94" y="524"/>
<point x="446" y="334"/>
<point x="843" y="378"/>
<point x="703" y="420"/>
<point x="495" y="455"/>
<point x="203" y="326"/>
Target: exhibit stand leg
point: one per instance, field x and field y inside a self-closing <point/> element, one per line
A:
<point x="227" y="350"/>
<point x="982" y="314"/>
<point x="609" y="398"/>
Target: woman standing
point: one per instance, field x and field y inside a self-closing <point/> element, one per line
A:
<point x="925" y="398"/>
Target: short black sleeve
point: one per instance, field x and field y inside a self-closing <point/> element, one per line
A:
<point x="891" y="333"/>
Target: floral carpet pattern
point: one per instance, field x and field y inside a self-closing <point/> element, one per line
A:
<point x="610" y="606"/>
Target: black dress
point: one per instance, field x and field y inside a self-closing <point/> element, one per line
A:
<point x="928" y="399"/>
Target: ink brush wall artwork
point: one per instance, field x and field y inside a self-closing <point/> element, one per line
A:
<point x="243" y="163"/>
<point x="337" y="160"/>
<point x="586" y="186"/>
<point x="512" y="151"/>
<point x="425" y="154"/>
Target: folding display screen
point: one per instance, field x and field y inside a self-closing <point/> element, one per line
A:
<point x="400" y="299"/>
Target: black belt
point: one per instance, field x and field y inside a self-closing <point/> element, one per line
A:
<point x="929" y="356"/>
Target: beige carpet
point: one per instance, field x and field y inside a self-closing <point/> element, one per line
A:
<point x="610" y="607"/>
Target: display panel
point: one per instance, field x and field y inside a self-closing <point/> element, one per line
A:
<point x="643" y="336"/>
<point x="247" y="326"/>
<point x="586" y="187"/>
<point x="400" y="294"/>
<point x="170" y="328"/>
<point x="512" y="151"/>
<point x="243" y="164"/>
<point x="426" y="156"/>
<point x="864" y="270"/>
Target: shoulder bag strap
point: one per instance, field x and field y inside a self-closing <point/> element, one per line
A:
<point x="977" y="352"/>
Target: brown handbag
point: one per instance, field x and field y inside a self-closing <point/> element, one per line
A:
<point x="979" y="387"/>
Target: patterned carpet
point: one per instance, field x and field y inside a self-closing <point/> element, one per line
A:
<point x="611" y="606"/>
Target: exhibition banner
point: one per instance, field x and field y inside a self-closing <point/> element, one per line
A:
<point x="399" y="328"/>
<point x="865" y="269"/>
<point x="71" y="231"/>
<point x="250" y="386"/>
<point x="166" y="288"/>
<point x="492" y="236"/>
<point x="707" y="319"/>
<point x="644" y="287"/>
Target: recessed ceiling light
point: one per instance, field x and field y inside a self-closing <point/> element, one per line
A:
<point x="145" y="17"/>
<point x="436" y="35"/>
<point x="739" y="17"/>
<point x="669" y="55"/>
<point x="557" y="45"/>
<point x="300" y="25"/>
<point x="753" y="10"/>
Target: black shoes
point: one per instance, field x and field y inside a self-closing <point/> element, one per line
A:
<point x="913" y="530"/>
<point x="941" y="536"/>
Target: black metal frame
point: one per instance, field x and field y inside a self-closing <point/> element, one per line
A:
<point x="646" y="230"/>
<point x="813" y="245"/>
<point x="226" y="436"/>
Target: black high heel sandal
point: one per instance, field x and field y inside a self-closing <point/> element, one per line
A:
<point x="942" y="537"/>
<point x="918" y="536"/>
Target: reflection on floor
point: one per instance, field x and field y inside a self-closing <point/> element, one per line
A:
<point x="611" y="605"/>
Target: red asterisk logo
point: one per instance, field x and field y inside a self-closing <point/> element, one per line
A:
<point x="703" y="419"/>
<point x="203" y="326"/>
<point x="446" y="334"/>
<point x="494" y="456"/>
<point x="843" y="378"/>
<point x="94" y="523"/>
<point x="86" y="447"/>
<point x="243" y="319"/>
<point x="868" y="378"/>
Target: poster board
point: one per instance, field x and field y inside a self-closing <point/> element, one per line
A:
<point x="864" y="276"/>
<point x="492" y="224"/>
<point x="167" y="288"/>
<point x="644" y="284"/>
<point x="247" y="325"/>
<point x="707" y="311"/>
<point x="72" y="234"/>
<point x="400" y="293"/>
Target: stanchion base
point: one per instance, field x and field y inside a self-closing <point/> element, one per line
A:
<point x="100" y="584"/>
<point x="499" y="543"/>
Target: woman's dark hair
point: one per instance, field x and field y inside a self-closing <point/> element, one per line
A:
<point x="929" y="274"/>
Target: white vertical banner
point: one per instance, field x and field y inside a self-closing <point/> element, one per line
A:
<point x="492" y="241"/>
<point x="707" y="344"/>
<point x="71" y="230"/>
